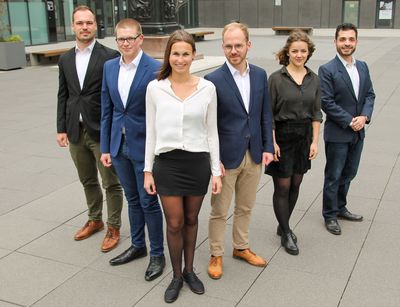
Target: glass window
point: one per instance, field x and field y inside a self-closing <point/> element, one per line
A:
<point x="38" y="22"/>
<point x="19" y="20"/>
<point x="385" y="14"/>
<point x="351" y="12"/>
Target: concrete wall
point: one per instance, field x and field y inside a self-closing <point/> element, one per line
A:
<point x="264" y="13"/>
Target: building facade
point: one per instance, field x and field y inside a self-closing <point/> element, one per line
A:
<point x="49" y="21"/>
<point x="314" y="13"/>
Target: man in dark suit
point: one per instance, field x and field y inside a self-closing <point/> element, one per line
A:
<point x="348" y="100"/>
<point x="78" y="125"/>
<point x="245" y="135"/>
<point x="123" y="137"/>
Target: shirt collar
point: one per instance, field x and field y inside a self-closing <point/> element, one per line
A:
<point x="344" y="62"/>
<point x="89" y="48"/>
<point x="234" y="71"/>
<point x="134" y="63"/>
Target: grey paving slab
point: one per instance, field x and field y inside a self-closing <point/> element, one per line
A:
<point x="59" y="245"/>
<point x="7" y="304"/>
<point x="155" y="298"/>
<point x="93" y="288"/>
<point x="378" y="261"/>
<point x="21" y="230"/>
<point x="25" y="279"/>
<point x="4" y="252"/>
<point x="369" y="295"/>
<point x="278" y="286"/>
<point x="388" y="212"/>
<point x="321" y="252"/>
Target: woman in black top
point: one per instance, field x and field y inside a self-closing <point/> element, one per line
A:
<point x="295" y="101"/>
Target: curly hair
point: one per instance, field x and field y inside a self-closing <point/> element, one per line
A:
<point x="296" y="35"/>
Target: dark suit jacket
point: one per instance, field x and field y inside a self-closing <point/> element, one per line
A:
<point x="339" y="101"/>
<point x="133" y="117"/>
<point x="239" y="130"/>
<point x="73" y="101"/>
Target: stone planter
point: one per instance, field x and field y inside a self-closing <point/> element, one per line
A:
<point x="12" y="55"/>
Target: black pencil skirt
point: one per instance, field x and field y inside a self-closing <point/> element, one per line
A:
<point x="294" y="140"/>
<point x="182" y="173"/>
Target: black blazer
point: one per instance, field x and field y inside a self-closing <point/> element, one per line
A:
<point x="73" y="101"/>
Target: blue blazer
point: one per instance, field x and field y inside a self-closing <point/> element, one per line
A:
<point x="237" y="129"/>
<point x="114" y="116"/>
<point x="339" y="101"/>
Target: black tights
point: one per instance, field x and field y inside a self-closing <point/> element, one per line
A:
<point x="181" y="214"/>
<point x="286" y="192"/>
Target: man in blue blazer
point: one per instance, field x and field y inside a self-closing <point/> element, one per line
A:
<point x="245" y="135"/>
<point x="122" y="142"/>
<point x="348" y="101"/>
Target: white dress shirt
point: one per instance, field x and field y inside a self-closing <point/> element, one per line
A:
<point x="242" y="82"/>
<point x="189" y="124"/>
<point x="82" y="58"/>
<point x="353" y="73"/>
<point x="126" y="75"/>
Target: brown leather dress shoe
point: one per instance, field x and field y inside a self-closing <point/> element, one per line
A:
<point x="215" y="267"/>
<point x="88" y="229"/>
<point x="110" y="240"/>
<point x="249" y="256"/>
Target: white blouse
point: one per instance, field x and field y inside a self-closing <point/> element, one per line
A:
<point x="189" y="124"/>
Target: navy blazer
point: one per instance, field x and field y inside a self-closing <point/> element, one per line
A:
<point x="114" y="116"/>
<point x="237" y="129"/>
<point x="339" y="101"/>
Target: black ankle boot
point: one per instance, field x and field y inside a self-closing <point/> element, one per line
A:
<point x="193" y="281"/>
<point x="172" y="292"/>
<point x="288" y="243"/>
<point x="279" y="233"/>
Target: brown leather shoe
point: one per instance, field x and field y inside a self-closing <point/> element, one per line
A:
<point x="90" y="228"/>
<point x="249" y="256"/>
<point x="215" y="267"/>
<point x="110" y="240"/>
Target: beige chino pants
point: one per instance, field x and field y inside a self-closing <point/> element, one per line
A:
<point x="243" y="182"/>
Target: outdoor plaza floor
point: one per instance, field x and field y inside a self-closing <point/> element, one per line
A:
<point x="42" y="205"/>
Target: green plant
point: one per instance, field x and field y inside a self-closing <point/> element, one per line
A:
<point x="13" y="38"/>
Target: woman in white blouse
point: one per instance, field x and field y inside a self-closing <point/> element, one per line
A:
<point x="182" y="151"/>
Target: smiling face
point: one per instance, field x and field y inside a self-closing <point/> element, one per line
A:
<point x="346" y="43"/>
<point x="129" y="42"/>
<point x="298" y="53"/>
<point x="236" y="46"/>
<point x="181" y="57"/>
<point x="84" y="26"/>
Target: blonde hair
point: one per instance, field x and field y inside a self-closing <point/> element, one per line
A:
<point x="236" y="25"/>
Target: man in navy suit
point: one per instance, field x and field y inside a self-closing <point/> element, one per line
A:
<point x="348" y="101"/>
<point x="245" y="135"/>
<point x="122" y="142"/>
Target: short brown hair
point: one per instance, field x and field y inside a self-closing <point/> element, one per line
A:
<point x="296" y="35"/>
<point x="177" y="36"/>
<point x="83" y="8"/>
<point x="129" y="23"/>
<point x="236" y="25"/>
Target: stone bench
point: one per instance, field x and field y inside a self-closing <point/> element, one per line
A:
<point x="36" y="56"/>
<point x="199" y="36"/>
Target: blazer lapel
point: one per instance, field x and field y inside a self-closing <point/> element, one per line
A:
<point x="229" y="79"/>
<point x="72" y="69"/>
<point x="139" y="75"/>
<point x="345" y="76"/>
<point x="252" y="88"/>
<point x="362" y="80"/>
<point x="114" y="73"/>
<point x="91" y="65"/>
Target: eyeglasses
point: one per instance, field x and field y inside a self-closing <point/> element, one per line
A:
<point x="238" y="47"/>
<point x="129" y="40"/>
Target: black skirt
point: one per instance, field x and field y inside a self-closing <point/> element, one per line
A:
<point x="294" y="139"/>
<point x="182" y="173"/>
